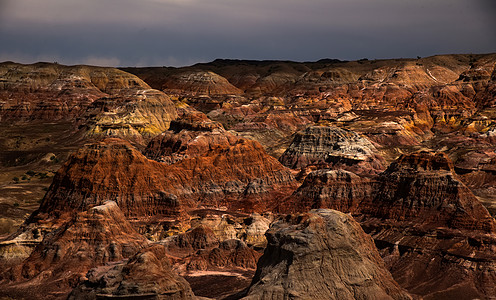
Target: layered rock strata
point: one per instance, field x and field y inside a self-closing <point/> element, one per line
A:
<point x="332" y="147"/>
<point x="102" y="101"/>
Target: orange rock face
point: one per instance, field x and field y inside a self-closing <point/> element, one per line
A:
<point x="113" y="169"/>
<point x="110" y="169"/>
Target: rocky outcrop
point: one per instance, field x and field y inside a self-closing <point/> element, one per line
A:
<point x="221" y="163"/>
<point x="200" y="237"/>
<point x="90" y="238"/>
<point x="207" y="261"/>
<point x="424" y="220"/>
<point x="200" y="249"/>
<point x="332" y="147"/>
<point x="397" y="104"/>
<point x="101" y="101"/>
<point x="146" y="275"/>
<point x="426" y="223"/>
<point x="323" y="254"/>
<point x="229" y="254"/>
<point x="111" y="169"/>
<point x="135" y="115"/>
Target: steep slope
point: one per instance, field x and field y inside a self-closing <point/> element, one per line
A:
<point x="323" y="254"/>
<point x="221" y="164"/>
<point x="335" y="189"/>
<point x="110" y="169"/>
<point x="433" y="233"/>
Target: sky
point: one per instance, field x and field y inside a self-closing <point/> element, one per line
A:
<point x="184" y="32"/>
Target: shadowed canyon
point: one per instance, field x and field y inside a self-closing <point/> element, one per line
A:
<point x="238" y="179"/>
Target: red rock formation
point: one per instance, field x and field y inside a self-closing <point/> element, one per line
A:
<point x="203" y="259"/>
<point x="323" y="254"/>
<point x="102" y="101"/>
<point x="111" y="169"/>
<point x="200" y="249"/>
<point x="200" y="237"/>
<point x="230" y="254"/>
<point x="212" y="155"/>
<point x="418" y="211"/>
<point x="90" y="238"/>
<point x="428" y="223"/>
<point x="335" y="189"/>
<point x="398" y="104"/>
<point x="52" y="92"/>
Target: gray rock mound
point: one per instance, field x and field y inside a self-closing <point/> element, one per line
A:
<point x="322" y="254"/>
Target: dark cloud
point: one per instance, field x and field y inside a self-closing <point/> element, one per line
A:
<point x="179" y="32"/>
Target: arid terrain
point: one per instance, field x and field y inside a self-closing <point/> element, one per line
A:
<point x="237" y="179"/>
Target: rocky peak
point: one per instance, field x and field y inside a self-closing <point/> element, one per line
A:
<point x="110" y="169"/>
<point x="422" y="187"/>
<point x="323" y="254"/>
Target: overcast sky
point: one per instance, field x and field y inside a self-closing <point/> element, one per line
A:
<point x="183" y="32"/>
